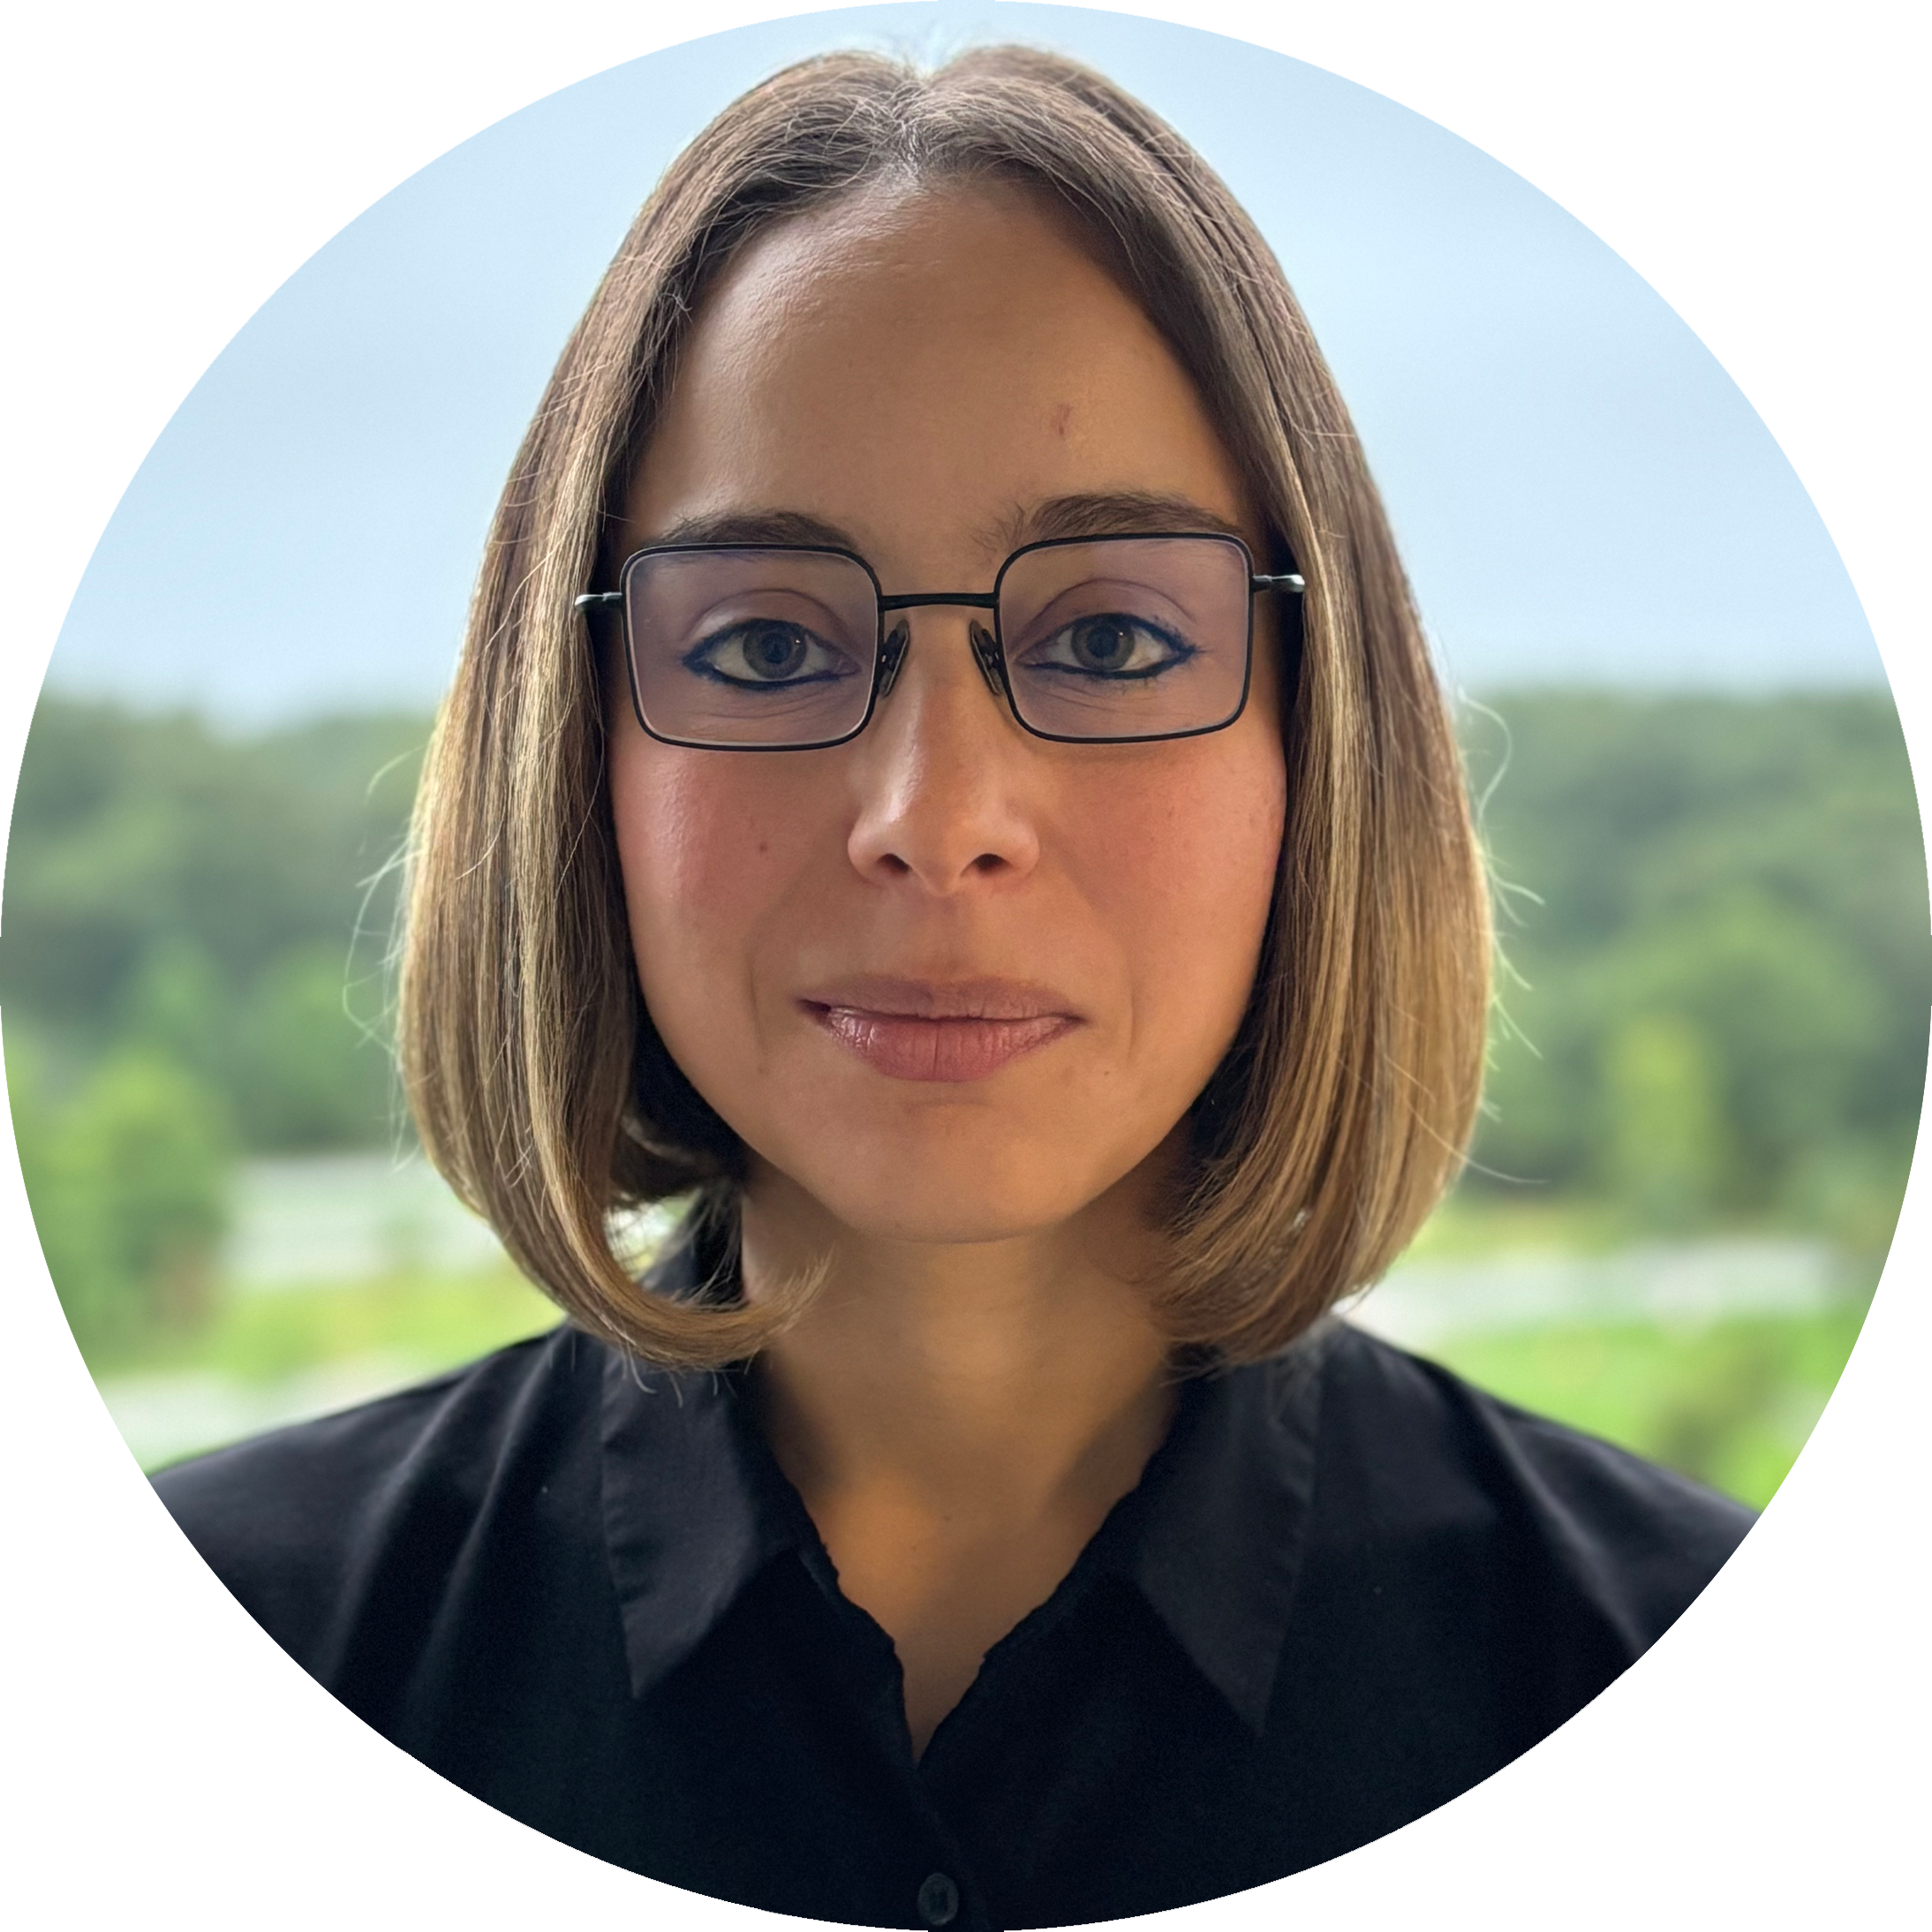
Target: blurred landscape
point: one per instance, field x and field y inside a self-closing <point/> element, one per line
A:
<point x="1707" y="1058"/>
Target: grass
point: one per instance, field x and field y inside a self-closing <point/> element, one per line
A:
<point x="430" y="1320"/>
<point x="1473" y="1225"/>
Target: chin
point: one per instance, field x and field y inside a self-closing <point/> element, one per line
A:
<point x="956" y="1195"/>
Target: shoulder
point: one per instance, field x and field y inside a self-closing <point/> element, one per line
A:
<point x="1452" y="1440"/>
<point x="1427" y="1467"/>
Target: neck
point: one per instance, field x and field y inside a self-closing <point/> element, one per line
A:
<point x="959" y="1417"/>
<point x="1003" y="1376"/>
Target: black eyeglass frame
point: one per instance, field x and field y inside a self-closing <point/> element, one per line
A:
<point x="889" y="651"/>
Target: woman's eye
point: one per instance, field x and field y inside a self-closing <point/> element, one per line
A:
<point x="1110" y="645"/>
<point x="768" y="652"/>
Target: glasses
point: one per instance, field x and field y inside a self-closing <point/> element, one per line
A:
<point x="771" y="647"/>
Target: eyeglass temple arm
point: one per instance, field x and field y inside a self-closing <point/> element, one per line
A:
<point x="1290" y="581"/>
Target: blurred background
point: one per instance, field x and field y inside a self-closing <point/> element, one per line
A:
<point x="1709" y="1052"/>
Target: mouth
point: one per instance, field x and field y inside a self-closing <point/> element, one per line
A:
<point x="953" y="1031"/>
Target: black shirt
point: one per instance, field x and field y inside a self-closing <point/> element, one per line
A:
<point x="1347" y="1587"/>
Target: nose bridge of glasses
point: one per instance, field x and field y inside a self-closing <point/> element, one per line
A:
<point x="896" y="641"/>
<point x="969" y="599"/>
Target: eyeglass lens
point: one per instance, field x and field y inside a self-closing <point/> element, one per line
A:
<point x="1119" y="638"/>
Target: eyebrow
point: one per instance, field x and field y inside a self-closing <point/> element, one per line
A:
<point x="1105" y="513"/>
<point x="1102" y="513"/>
<point x="789" y="527"/>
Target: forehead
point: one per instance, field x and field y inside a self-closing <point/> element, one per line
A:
<point x="920" y="367"/>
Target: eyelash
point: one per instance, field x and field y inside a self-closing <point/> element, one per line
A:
<point x="1178" y="648"/>
<point x="698" y="659"/>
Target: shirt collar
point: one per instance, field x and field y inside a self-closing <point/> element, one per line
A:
<point x="1216" y="1530"/>
<point x="694" y="1507"/>
<point x="688" y="1522"/>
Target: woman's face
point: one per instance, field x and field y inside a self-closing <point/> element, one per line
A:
<point x="954" y="981"/>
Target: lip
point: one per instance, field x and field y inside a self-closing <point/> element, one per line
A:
<point x="952" y="1030"/>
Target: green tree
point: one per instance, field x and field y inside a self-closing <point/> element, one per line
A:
<point x="1665" y="1153"/>
<point x="1789" y="1015"/>
<point x="148" y="1146"/>
<point x="48" y="1282"/>
<point x="128" y="1184"/>
<point x="176" y="1000"/>
<point x="172" y="888"/>
<point x="314" y="1073"/>
<point x="1752" y="870"/>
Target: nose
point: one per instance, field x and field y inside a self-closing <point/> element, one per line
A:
<point x="944" y="776"/>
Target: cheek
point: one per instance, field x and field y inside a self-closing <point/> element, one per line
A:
<point x="708" y="860"/>
<point x="1189" y="868"/>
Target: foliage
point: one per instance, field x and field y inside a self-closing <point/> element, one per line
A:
<point x="1715" y="917"/>
<point x="127" y="1179"/>
<point x="222" y="903"/>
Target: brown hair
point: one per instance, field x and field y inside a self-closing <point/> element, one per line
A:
<point x="535" y="1074"/>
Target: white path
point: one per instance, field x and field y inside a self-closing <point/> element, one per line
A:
<point x="328" y="1218"/>
<point x="346" y="1218"/>
<point x="1423" y="1301"/>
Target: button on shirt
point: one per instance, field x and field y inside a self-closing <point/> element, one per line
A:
<point x="1347" y="1587"/>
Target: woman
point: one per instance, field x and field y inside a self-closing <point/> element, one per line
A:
<point x="945" y="773"/>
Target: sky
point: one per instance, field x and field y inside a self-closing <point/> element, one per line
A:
<point x="1581" y="494"/>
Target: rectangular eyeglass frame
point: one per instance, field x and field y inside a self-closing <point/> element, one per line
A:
<point x="888" y="660"/>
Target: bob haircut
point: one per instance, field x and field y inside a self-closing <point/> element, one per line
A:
<point x="535" y="1074"/>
